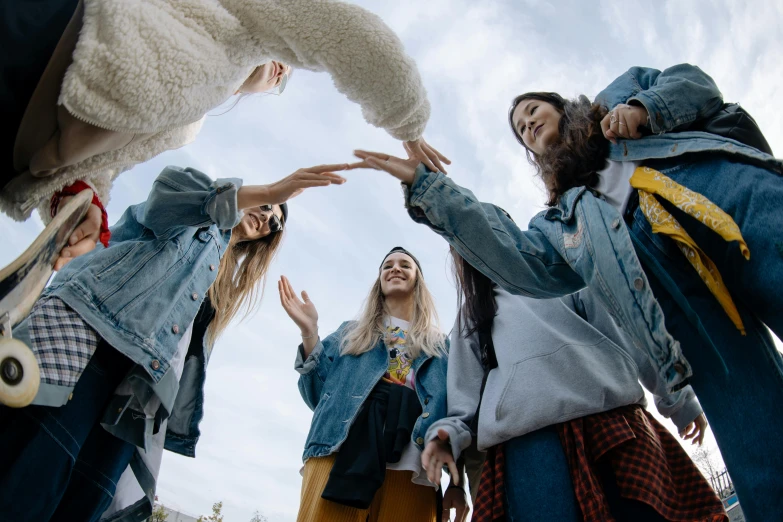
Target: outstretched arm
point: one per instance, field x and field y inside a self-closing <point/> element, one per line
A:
<point x="522" y="262"/>
<point x="365" y="58"/>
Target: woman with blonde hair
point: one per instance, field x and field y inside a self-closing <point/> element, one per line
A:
<point x="375" y="386"/>
<point x="122" y="337"/>
<point x="94" y="87"/>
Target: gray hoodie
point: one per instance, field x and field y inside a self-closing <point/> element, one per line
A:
<point x="558" y="359"/>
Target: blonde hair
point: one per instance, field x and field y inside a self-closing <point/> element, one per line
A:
<point x="243" y="266"/>
<point x="423" y="335"/>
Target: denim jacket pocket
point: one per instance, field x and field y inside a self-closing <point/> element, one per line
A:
<point x="114" y="257"/>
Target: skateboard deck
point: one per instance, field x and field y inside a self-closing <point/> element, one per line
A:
<point x="24" y="279"/>
<point x="21" y="283"/>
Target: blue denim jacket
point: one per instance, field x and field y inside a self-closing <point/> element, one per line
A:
<point x="675" y="98"/>
<point x="581" y="242"/>
<point x="335" y="387"/>
<point x="142" y="292"/>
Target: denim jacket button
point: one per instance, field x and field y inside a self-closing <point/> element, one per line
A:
<point x="175" y="329"/>
<point x="425" y="415"/>
<point x="155" y="364"/>
<point x="638" y="283"/>
<point x="419" y="440"/>
<point x="211" y="268"/>
<point x="616" y="223"/>
<point x="194" y="296"/>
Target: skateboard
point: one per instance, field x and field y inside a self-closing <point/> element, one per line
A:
<point x="21" y="283"/>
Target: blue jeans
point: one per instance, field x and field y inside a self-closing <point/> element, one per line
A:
<point x="538" y="482"/>
<point x="59" y="464"/>
<point x="738" y="379"/>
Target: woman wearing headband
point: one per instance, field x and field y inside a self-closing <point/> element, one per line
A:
<point x="375" y="386"/>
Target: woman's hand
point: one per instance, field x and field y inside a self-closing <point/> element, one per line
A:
<point x="301" y="311"/>
<point x="403" y="170"/>
<point x="436" y="454"/>
<point x="623" y="122"/>
<point x="290" y="186"/>
<point x="426" y="154"/>
<point x="696" y="430"/>
<point x="455" y="498"/>
<point x="83" y="238"/>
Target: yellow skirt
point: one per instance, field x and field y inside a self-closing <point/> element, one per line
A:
<point x="398" y="499"/>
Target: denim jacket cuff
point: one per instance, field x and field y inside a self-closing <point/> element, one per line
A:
<point x="660" y="119"/>
<point x="415" y="200"/>
<point x="306" y="365"/>
<point x="687" y="414"/>
<point x="221" y="203"/>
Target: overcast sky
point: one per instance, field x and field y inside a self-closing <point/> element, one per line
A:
<point x="474" y="57"/>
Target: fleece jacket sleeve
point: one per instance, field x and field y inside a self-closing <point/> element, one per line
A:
<point x="365" y="58"/>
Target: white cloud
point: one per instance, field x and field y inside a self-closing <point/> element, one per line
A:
<point x="474" y="58"/>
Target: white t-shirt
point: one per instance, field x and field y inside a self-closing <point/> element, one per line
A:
<point x="614" y="182"/>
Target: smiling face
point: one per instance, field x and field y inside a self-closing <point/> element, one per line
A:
<point x="398" y="275"/>
<point x="537" y="122"/>
<point x="255" y="223"/>
<point x="265" y="77"/>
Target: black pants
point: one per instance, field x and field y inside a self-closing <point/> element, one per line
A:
<point x="29" y="32"/>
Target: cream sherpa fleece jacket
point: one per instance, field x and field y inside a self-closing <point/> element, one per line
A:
<point x="158" y="66"/>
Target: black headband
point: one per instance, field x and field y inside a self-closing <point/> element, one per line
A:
<point x="402" y="250"/>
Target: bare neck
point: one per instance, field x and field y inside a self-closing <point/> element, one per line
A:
<point x="400" y="307"/>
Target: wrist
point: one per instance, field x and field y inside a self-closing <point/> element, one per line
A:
<point x="309" y="333"/>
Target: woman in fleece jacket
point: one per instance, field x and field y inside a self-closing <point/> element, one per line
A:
<point x="562" y="414"/>
<point x="94" y="87"/>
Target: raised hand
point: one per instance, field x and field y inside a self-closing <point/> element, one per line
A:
<point x="402" y="169"/>
<point x="696" y="430"/>
<point x="290" y="186"/>
<point x="436" y="454"/>
<point x="301" y="311"/>
<point x="426" y="154"/>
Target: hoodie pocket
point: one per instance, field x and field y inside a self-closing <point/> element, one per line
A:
<point x="572" y="381"/>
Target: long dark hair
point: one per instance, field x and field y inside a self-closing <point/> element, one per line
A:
<point x="475" y="298"/>
<point x="581" y="151"/>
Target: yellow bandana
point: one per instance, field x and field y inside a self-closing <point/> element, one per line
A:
<point x="649" y="182"/>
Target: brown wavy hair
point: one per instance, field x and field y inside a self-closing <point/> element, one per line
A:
<point x="581" y="151"/>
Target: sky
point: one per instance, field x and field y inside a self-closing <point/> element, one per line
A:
<point x="474" y="57"/>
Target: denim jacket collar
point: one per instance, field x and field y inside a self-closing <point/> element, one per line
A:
<point x="565" y="208"/>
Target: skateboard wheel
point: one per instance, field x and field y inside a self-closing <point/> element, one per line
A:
<point x="19" y="375"/>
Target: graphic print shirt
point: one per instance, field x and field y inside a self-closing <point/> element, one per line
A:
<point x="400" y="369"/>
<point x="401" y="372"/>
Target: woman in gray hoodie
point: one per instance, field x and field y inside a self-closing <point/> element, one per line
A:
<point x="561" y="412"/>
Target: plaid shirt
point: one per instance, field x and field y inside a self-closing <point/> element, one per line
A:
<point x="489" y="505"/>
<point x="649" y="465"/>
<point x="61" y="341"/>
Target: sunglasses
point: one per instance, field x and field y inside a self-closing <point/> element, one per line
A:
<point x="275" y="224"/>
